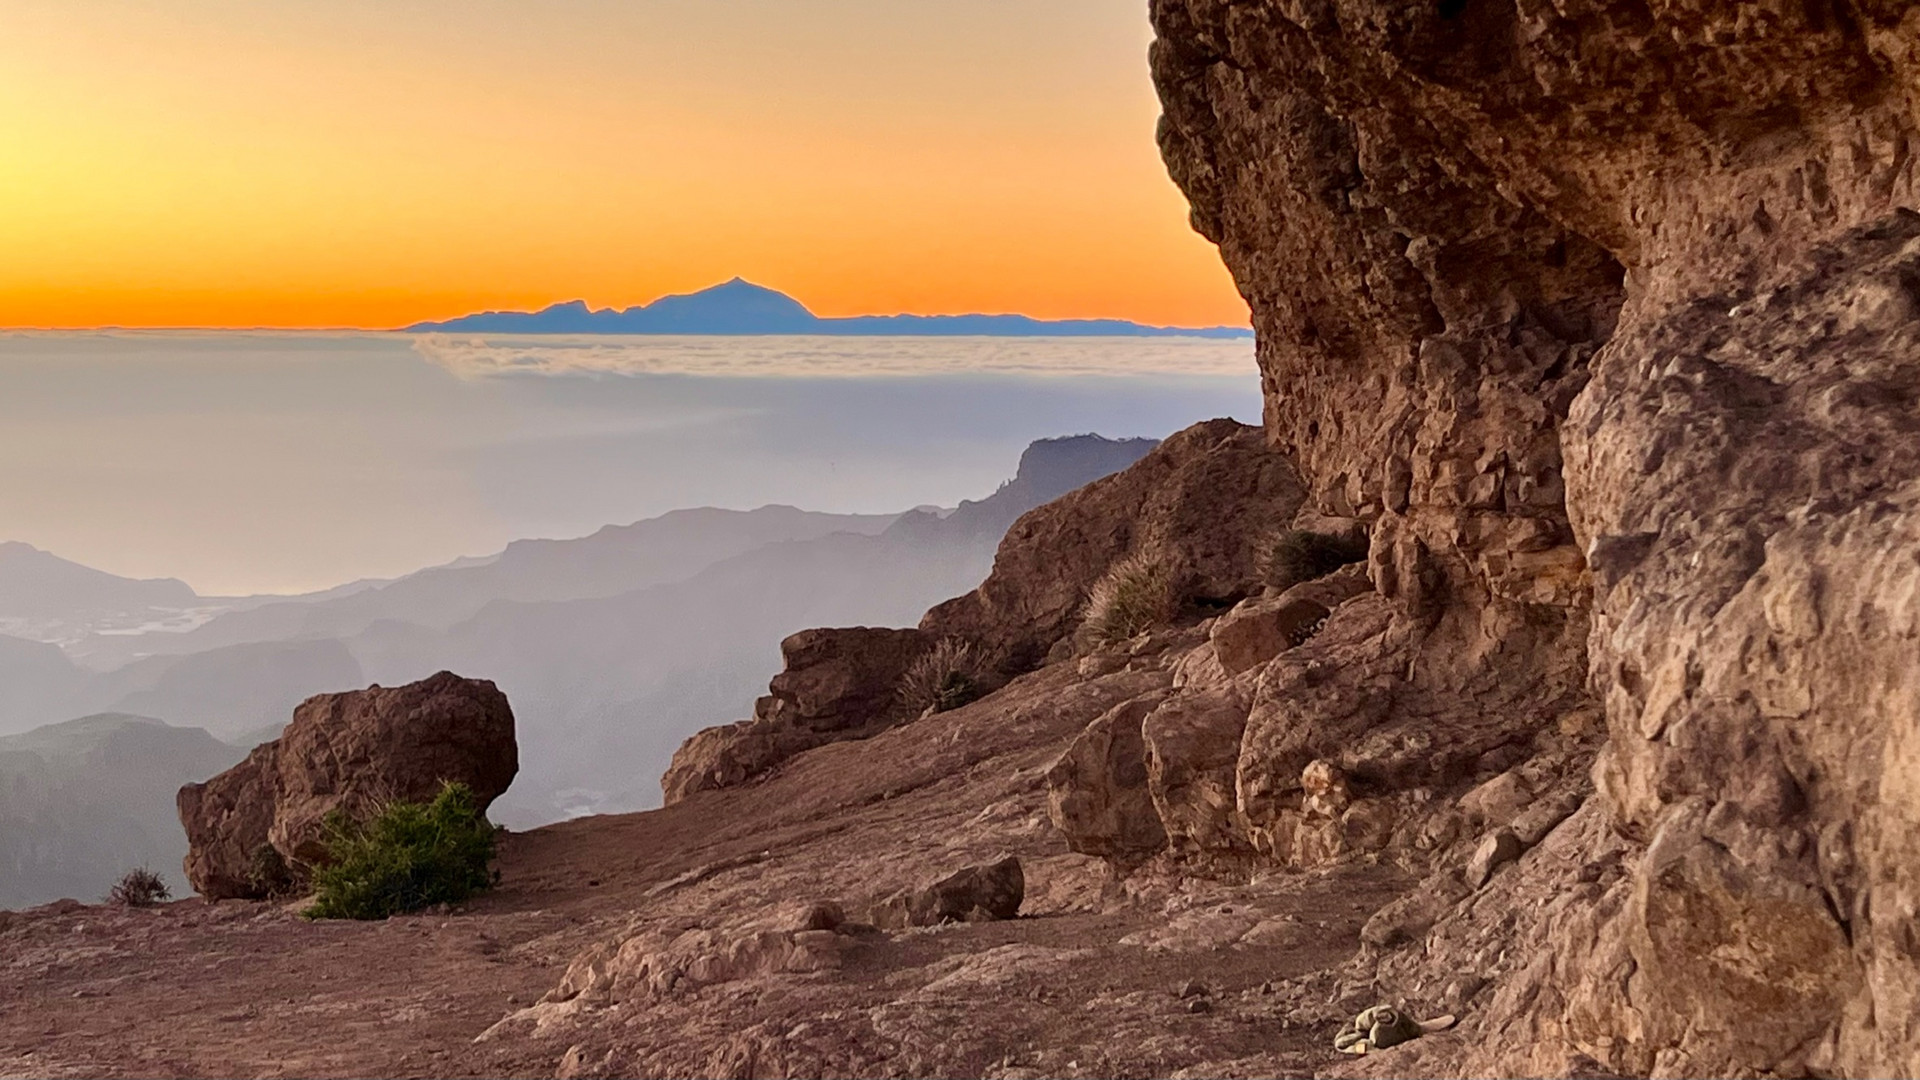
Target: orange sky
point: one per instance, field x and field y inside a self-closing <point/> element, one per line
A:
<point x="376" y="162"/>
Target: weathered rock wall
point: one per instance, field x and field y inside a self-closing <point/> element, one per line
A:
<point x="1604" y="312"/>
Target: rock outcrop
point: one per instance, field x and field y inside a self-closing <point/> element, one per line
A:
<point x="1258" y="630"/>
<point x="1605" y="316"/>
<point x="794" y="937"/>
<point x="1097" y="791"/>
<point x="1198" y="503"/>
<point x="348" y="751"/>
<point x="837" y="684"/>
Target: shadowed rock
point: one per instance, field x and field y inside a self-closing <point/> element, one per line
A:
<point x="351" y="752"/>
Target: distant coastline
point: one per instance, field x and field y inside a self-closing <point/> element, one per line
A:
<point x="741" y="307"/>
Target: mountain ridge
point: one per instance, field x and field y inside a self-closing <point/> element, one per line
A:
<point x="740" y="307"/>
<point x="88" y="798"/>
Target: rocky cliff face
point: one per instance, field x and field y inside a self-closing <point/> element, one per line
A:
<point x="1604" y="315"/>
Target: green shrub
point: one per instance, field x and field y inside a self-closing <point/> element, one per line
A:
<point x="1292" y="556"/>
<point x="1134" y="596"/>
<point x="139" y="888"/>
<point x="269" y="874"/>
<point x="944" y="677"/>
<point x="404" y="857"/>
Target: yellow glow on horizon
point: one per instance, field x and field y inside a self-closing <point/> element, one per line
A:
<point x="362" y="163"/>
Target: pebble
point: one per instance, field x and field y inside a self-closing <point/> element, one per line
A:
<point x="1198" y="1005"/>
<point x="1190" y="988"/>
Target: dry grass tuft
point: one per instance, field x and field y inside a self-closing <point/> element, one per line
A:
<point x="139" y="888"/>
<point x="944" y="677"/>
<point x="1135" y="595"/>
<point x="1291" y="556"/>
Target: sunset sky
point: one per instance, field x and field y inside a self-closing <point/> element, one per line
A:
<point x="371" y="163"/>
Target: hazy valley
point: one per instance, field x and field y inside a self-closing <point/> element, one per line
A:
<point x="613" y="647"/>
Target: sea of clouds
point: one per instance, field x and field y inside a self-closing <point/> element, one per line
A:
<point x="276" y="462"/>
<point x="772" y="356"/>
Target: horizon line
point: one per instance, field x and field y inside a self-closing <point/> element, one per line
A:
<point x="115" y="328"/>
<point x="407" y="328"/>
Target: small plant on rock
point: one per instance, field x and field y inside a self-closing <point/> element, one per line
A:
<point x="404" y="857"/>
<point x="1292" y="556"/>
<point x="1134" y="596"/>
<point x="139" y="888"/>
<point x="944" y="677"/>
<point x="269" y="873"/>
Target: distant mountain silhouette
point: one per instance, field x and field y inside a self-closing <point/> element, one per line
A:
<point x="616" y="559"/>
<point x="37" y="683"/>
<point x="35" y="583"/>
<point x="84" y="801"/>
<point x="741" y="307"/>
<point x="228" y="690"/>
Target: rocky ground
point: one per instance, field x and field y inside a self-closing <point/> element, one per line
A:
<point x="1155" y="975"/>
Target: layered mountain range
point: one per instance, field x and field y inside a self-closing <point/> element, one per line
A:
<point x="613" y="646"/>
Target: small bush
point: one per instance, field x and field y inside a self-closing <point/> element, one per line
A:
<point x="140" y="888"/>
<point x="269" y="873"/>
<point x="1292" y="556"/>
<point x="944" y="677"/>
<point x="404" y="857"/>
<point x="1134" y="596"/>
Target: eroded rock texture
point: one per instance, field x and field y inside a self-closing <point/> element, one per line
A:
<point x="1198" y="503"/>
<point x="350" y="752"/>
<point x="838" y="684"/>
<point x="1603" y="313"/>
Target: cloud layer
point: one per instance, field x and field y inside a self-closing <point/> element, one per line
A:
<point x="471" y="356"/>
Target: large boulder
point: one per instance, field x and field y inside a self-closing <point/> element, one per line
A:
<point x="350" y="752"/>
